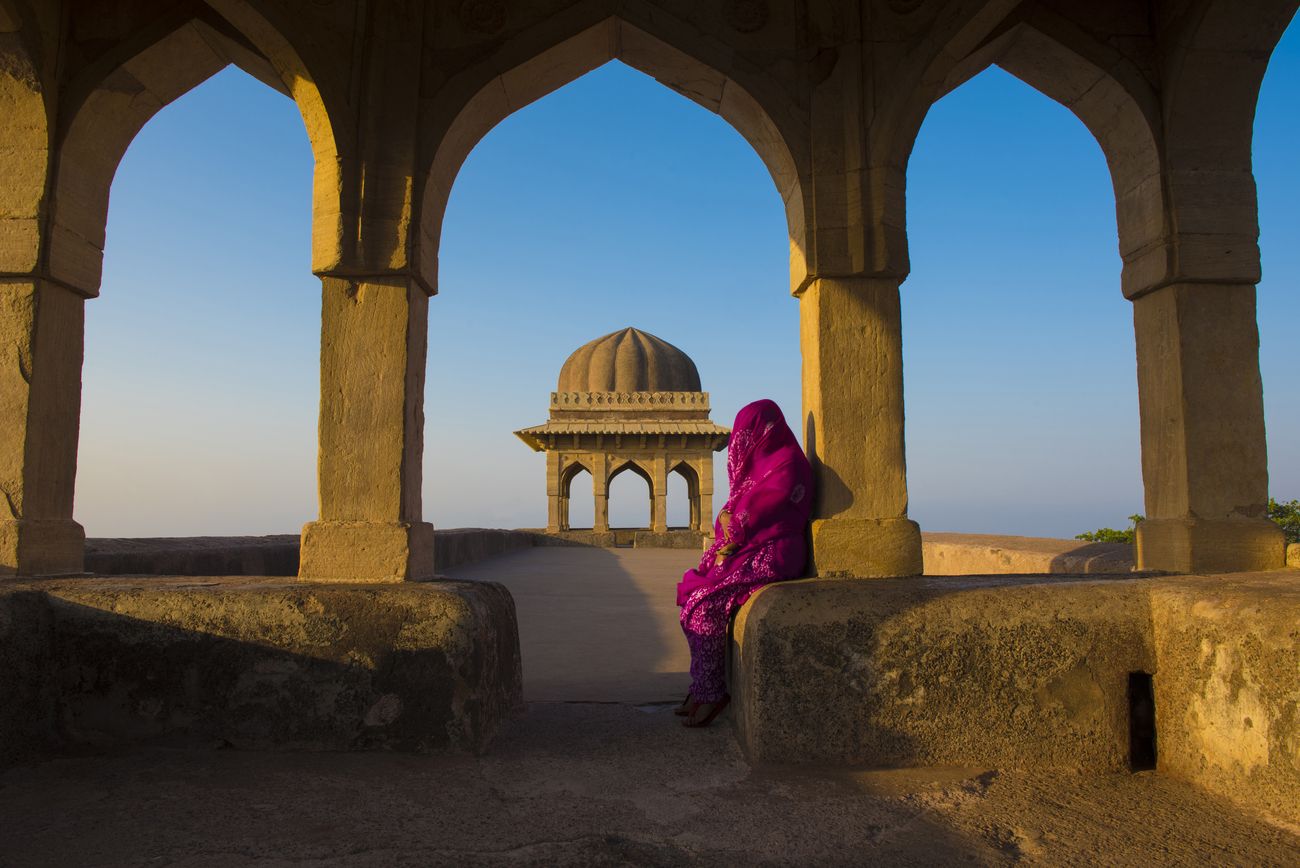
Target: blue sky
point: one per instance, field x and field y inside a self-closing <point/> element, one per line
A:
<point x="616" y="202"/>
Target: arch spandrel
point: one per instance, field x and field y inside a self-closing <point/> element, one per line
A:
<point x="24" y="146"/>
<point x="538" y="62"/>
<point x="110" y="101"/>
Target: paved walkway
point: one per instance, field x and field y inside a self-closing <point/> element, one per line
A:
<point x="596" y="625"/>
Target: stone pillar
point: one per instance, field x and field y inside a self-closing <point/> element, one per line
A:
<point x="600" y="489"/>
<point x="1204" y="460"/>
<point x="851" y="341"/>
<point x="704" y="470"/>
<point x="41" y="332"/>
<point x="556" y="507"/>
<point x="659" y="494"/>
<point x="373" y="343"/>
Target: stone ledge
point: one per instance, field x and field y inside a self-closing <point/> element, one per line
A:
<point x="967" y="554"/>
<point x="258" y="663"/>
<point x="1028" y="672"/>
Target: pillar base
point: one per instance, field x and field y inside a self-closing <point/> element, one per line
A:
<point x="1198" y="545"/>
<point x="867" y="548"/>
<point x="364" y="551"/>
<point x="36" y="547"/>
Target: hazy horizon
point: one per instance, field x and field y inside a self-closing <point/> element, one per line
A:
<point x="616" y="202"/>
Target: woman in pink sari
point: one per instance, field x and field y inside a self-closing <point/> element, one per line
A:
<point x="759" y="538"/>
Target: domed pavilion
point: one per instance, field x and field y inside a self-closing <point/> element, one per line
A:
<point x="629" y="401"/>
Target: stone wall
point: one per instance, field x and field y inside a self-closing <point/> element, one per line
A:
<point x="1029" y="672"/>
<point x="255" y="663"/>
<point x="946" y="554"/>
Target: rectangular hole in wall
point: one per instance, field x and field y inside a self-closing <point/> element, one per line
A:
<point x="1141" y="722"/>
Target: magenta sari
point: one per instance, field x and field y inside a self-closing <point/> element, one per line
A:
<point x="769" y="504"/>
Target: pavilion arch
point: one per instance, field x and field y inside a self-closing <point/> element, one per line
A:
<point x="24" y="147"/>
<point x="692" y="477"/>
<point x="1112" y="100"/>
<point x="111" y="101"/>
<point x="523" y="72"/>
<point x="636" y="468"/>
<point x="570" y="472"/>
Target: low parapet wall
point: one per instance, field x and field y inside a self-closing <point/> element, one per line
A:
<point x="275" y="555"/>
<point x="1028" y="672"/>
<point x="946" y="554"/>
<point x="973" y="554"/>
<point x="255" y="663"/>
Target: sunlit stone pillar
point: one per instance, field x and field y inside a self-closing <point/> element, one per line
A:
<point x="555" y="513"/>
<point x="373" y="343"/>
<point x="600" y="490"/>
<point x="704" y="469"/>
<point x="42" y="333"/>
<point x="659" y="494"/>
<point x="1204" y="458"/>
<point x="851" y="341"/>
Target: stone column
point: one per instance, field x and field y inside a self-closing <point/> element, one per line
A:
<point x="851" y="341"/>
<point x="704" y="470"/>
<point x="556" y="509"/>
<point x="1204" y="460"/>
<point x="659" y="494"/>
<point x="373" y="343"/>
<point x="600" y="489"/>
<point x="41" y="332"/>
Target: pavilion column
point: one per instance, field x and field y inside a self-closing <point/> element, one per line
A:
<point x="373" y="344"/>
<point x="851" y="342"/>
<point x="42" y="330"/>
<point x="1204" y="459"/>
<point x="659" y="494"/>
<point x="555" y="515"/>
<point x="600" y="490"/>
<point x="704" y="508"/>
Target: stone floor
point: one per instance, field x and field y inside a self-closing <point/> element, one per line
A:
<point x="609" y="780"/>
<point x="599" y="784"/>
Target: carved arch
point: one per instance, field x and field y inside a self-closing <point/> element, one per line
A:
<point x="1103" y="90"/>
<point x="110" y="102"/>
<point x="524" y="71"/>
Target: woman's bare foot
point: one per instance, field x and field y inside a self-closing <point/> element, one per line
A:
<point x="704" y="713"/>
<point x="687" y="708"/>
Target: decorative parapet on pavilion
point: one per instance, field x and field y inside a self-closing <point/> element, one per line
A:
<point x="660" y="426"/>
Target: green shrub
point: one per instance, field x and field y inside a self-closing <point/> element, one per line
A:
<point x="1110" y="535"/>
<point x="1287" y="516"/>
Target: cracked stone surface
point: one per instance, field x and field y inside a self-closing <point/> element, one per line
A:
<point x="600" y="784"/>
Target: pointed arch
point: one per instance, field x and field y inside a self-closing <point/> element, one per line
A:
<point x="1108" y="95"/>
<point x="111" y="101"/>
<point x="526" y="70"/>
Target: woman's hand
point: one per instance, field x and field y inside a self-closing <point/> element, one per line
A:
<point x="722" y="554"/>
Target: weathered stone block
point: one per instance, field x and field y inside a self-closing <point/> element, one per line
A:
<point x="366" y="551"/>
<point x="919" y="672"/>
<point x="36" y="547"/>
<point x="269" y="663"/>
<point x="866" y="548"/>
<point x="1293" y="555"/>
<point x="1228" y="686"/>
<point x="1208" y="546"/>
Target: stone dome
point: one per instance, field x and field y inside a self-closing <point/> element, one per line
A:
<point x="629" y="360"/>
